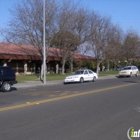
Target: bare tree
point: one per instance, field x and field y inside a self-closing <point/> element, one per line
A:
<point x="79" y="27"/>
<point x="131" y="46"/>
<point x="26" y="25"/>
<point x="66" y="43"/>
<point x="99" y="28"/>
<point x="113" y="45"/>
<point x="66" y="38"/>
<point x="67" y="27"/>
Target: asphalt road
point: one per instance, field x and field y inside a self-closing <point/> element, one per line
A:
<point x="102" y="110"/>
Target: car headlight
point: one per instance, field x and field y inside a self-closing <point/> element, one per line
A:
<point x="75" y="77"/>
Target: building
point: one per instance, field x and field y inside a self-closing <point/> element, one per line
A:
<point x="27" y="59"/>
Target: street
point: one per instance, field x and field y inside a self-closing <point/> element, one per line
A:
<point x="101" y="110"/>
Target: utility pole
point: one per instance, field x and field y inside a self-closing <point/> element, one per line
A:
<point x="44" y="44"/>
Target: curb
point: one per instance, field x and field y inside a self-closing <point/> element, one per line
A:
<point x="29" y="84"/>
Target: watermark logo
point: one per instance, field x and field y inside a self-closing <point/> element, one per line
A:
<point x="132" y="133"/>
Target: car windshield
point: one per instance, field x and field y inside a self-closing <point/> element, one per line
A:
<point x="78" y="72"/>
<point x="126" y="68"/>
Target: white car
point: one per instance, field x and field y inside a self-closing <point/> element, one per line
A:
<point x="129" y="71"/>
<point x="81" y="76"/>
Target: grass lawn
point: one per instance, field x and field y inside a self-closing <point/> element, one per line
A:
<point x="104" y="73"/>
<point x="35" y="77"/>
<point x="49" y="77"/>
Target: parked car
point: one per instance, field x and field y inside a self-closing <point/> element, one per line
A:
<point x="7" y="78"/>
<point x="81" y="76"/>
<point x="129" y="71"/>
<point x="118" y="68"/>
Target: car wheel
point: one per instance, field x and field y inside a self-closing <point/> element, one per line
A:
<point x="6" y="87"/>
<point x="94" y="79"/>
<point x="119" y="76"/>
<point x="81" y="80"/>
<point x="131" y="74"/>
<point x="136" y="74"/>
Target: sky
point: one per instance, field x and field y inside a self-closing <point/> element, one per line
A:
<point x="125" y="13"/>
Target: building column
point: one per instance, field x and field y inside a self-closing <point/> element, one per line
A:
<point x="17" y="69"/>
<point x="57" y="68"/>
<point x="25" y="67"/>
<point x="4" y="64"/>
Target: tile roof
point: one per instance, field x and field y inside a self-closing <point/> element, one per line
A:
<point x="9" y="48"/>
<point x="25" y="50"/>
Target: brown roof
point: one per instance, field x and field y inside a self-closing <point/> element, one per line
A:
<point x="8" y="50"/>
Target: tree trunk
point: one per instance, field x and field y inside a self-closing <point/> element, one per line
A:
<point x="71" y="65"/>
<point x="98" y="68"/>
<point x="108" y="66"/>
<point x="63" y="66"/>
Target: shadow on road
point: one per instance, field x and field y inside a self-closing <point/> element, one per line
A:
<point x="12" y="89"/>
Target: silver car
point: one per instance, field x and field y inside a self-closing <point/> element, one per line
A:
<point x="129" y="71"/>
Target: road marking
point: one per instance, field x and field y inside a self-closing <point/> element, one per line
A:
<point x="63" y="97"/>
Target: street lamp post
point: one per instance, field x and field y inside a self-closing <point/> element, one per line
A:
<point x="44" y="44"/>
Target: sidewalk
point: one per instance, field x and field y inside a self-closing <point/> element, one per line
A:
<point x="48" y="83"/>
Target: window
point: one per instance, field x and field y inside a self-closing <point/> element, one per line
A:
<point x="90" y="72"/>
<point x="127" y="68"/>
<point x="86" y="72"/>
<point x="7" y="71"/>
<point x="78" y="72"/>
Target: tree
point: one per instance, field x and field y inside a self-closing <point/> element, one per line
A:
<point x="99" y="28"/>
<point x="66" y="43"/>
<point x="81" y="28"/>
<point x="68" y="27"/>
<point x="131" y="46"/>
<point x="113" y="46"/>
<point x="26" y="24"/>
<point x="66" y="38"/>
